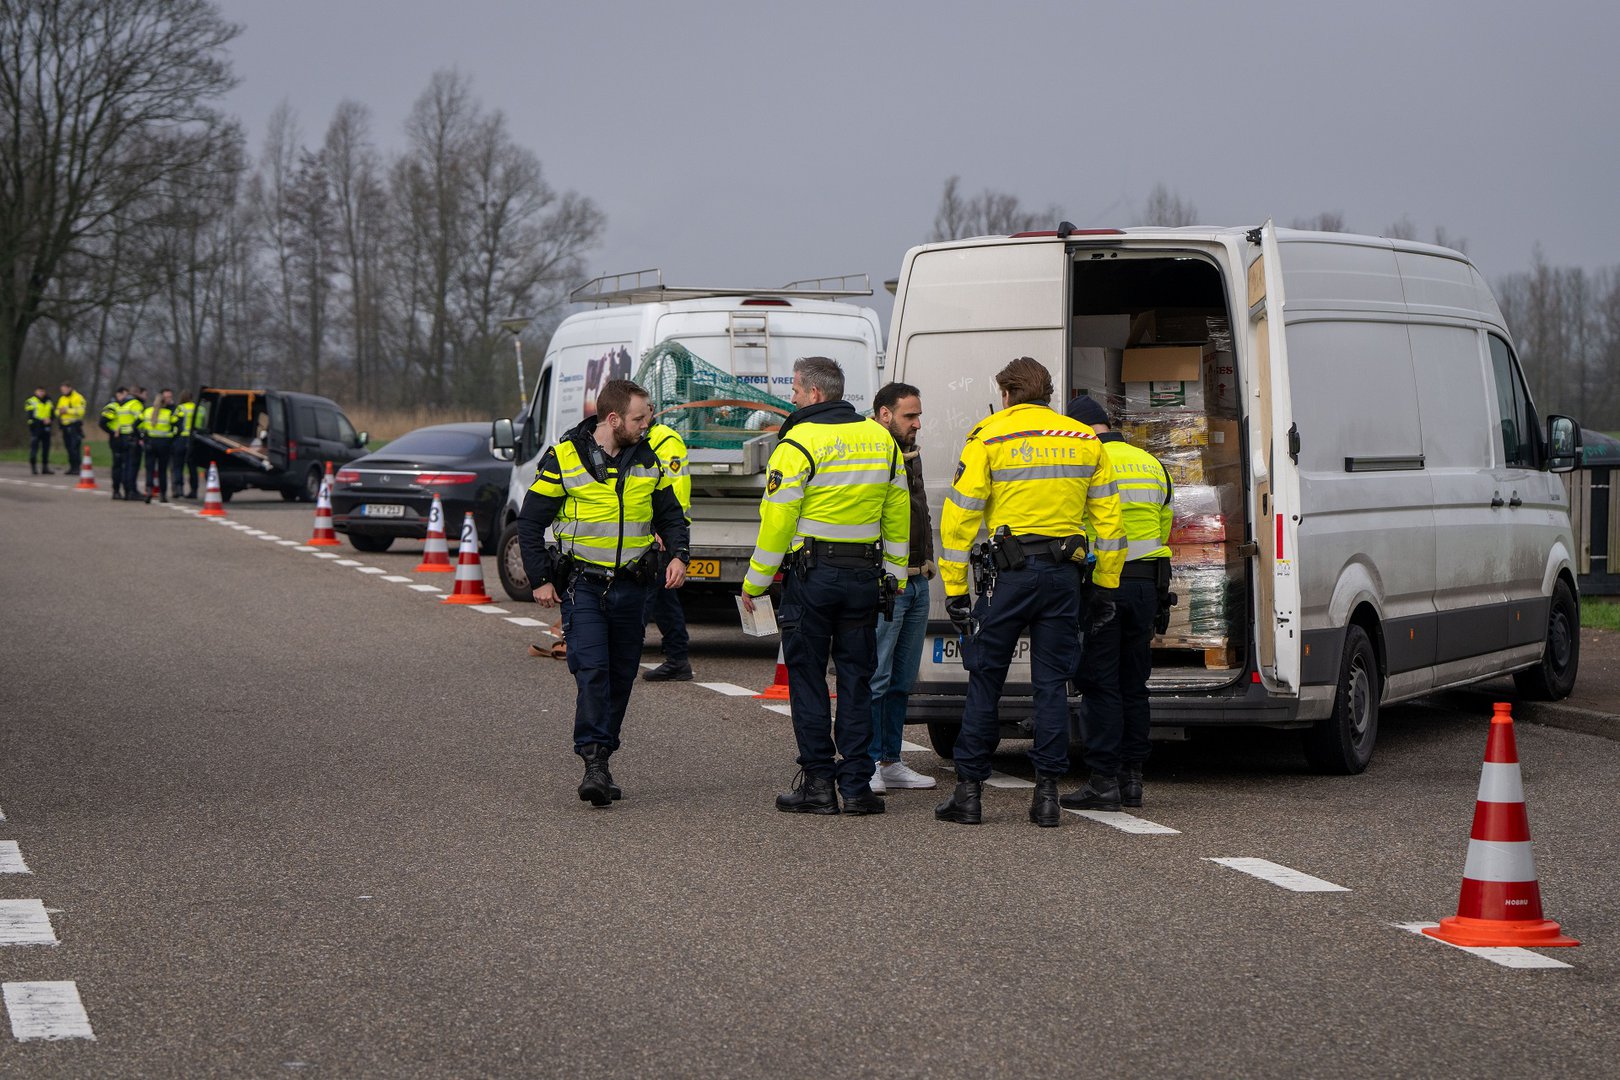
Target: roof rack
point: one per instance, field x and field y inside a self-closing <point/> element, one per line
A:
<point x="647" y="286"/>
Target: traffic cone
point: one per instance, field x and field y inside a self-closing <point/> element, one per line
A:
<point x="469" y="569"/>
<point x="87" y="475"/>
<point x="213" y="503"/>
<point x="778" y="690"/>
<point x="324" y="536"/>
<point x="1501" y="899"/>
<point x="436" y="553"/>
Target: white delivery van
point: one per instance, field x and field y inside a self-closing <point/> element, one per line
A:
<point x="1366" y="509"/>
<point x="731" y="342"/>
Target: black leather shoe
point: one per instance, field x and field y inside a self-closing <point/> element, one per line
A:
<point x="1043" y="808"/>
<point x="669" y="671"/>
<point x="597" y="787"/>
<point x="1099" y="793"/>
<point x="810" y="795"/>
<point x="1130" y="786"/>
<point x="863" y="802"/>
<point x="963" y="807"/>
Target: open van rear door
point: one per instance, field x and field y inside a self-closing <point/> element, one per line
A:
<point x="1274" y="467"/>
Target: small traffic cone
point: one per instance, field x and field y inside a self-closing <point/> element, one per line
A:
<point x="1500" y="903"/>
<point x="436" y="552"/>
<point x="325" y="535"/>
<point x="87" y="475"/>
<point x="778" y="690"/>
<point x="469" y="568"/>
<point x="213" y="503"/>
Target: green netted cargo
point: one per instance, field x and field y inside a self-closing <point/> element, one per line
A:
<point x="710" y="409"/>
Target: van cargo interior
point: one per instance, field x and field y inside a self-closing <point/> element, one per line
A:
<point x="1150" y="337"/>
<point x="241" y="422"/>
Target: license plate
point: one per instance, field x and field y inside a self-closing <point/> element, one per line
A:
<point x="950" y="648"/>
<point x="382" y="510"/>
<point x="703" y="568"/>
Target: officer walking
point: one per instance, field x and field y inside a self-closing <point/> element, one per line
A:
<point x="1038" y="481"/>
<point x="70" y="415"/>
<point x="112" y="418"/>
<point x="603" y="494"/>
<point x="898" y="407"/>
<point x="1118" y="656"/>
<point x="131" y="413"/>
<point x="37" y="411"/>
<point x="836" y="505"/>
<point x="664" y="605"/>
<point x="185" y="414"/>
<point x="157" y="432"/>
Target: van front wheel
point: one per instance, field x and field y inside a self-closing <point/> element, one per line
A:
<point x="509" y="564"/>
<point x="1554" y="678"/>
<point x="1342" y="742"/>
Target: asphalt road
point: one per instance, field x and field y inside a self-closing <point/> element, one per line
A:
<point x="289" y="817"/>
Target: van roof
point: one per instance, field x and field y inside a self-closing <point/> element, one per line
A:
<point x="1216" y="233"/>
<point x="647" y="287"/>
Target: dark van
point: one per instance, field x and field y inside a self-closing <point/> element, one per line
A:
<point x="274" y="440"/>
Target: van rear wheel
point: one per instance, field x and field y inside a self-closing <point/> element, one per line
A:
<point x="1342" y="742"/>
<point x="312" y="485"/>
<point x="1554" y="678"/>
<point x="509" y="564"/>
<point x="943" y="738"/>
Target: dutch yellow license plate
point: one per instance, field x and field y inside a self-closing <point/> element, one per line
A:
<point x="703" y="568"/>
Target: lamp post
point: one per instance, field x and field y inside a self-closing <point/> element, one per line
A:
<point x="515" y="326"/>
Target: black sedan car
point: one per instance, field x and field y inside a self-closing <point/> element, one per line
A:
<point x="388" y="494"/>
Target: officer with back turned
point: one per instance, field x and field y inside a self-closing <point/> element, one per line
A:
<point x="111" y="421"/>
<point x="837" y="507"/>
<point x="158" y="428"/>
<point x="185" y="414"/>
<point x="1035" y="479"/>
<point x="37" y="411"/>
<point x="603" y="494"/>
<point x="664" y="605"/>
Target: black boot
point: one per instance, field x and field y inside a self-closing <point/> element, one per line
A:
<point x="1130" y="786"/>
<point x="669" y="671"/>
<point x="863" y="802"/>
<point x="963" y="807"/>
<point x="810" y="795"/>
<point x="597" y="786"/>
<point x="1044" y="809"/>
<point x="1099" y="793"/>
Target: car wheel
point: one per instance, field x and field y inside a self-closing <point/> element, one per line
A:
<point x="509" y="563"/>
<point x="1554" y="678"/>
<point x="289" y="494"/>
<point x="226" y="493"/>
<point x="1342" y="742"/>
<point x="942" y="736"/>
<point x="363" y="542"/>
<point x="312" y="485"/>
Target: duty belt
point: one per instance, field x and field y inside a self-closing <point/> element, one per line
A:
<point x="1144" y="569"/>
<point x="1045" y="547"/>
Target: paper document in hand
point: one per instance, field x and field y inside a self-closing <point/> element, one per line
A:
<point x="761" y="622"/>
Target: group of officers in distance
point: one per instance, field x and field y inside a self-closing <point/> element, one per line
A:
<point x="160" y="433"/>
<point x="1078" y="523"/>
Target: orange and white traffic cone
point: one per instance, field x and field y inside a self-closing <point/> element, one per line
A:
<point x="213" y="502"/>
<point x="778" y="690"/>
<point x="469" y="569"/>
<point x="436" y="552"/>
<point x="87" y="475"/>
<point x="325" y="535"/>
<point x="1500" y="903"/>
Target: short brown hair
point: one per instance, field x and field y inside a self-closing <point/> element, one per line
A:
<point x="615" y="397"/>
<point x="1025" y="380"/>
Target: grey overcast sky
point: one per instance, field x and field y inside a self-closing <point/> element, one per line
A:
<point x="752" y="143"/>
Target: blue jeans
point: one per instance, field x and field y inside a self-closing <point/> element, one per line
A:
<point x="604" y="628"/>
<point x="899" y="651"/>
<point x="831" y="609"/>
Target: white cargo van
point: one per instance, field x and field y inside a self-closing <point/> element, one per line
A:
<point x="743" y="338"/>
<point x="1366" y="510"/>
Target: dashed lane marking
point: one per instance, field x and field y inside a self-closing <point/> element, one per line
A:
<point x="50" y="1011"/>
<point x="24" y="922"/>
<point x="11" y="860"/>
<point x="398" y="579"/>
<point x="426" y="588"/>
<point x="288" y="543"/>
<point x="907" y="745"/>
<point x="1505" y="956"/>
<point x="728" y="689"/>
<point x="523" y="620"/>
<point x="1013" y="783"/>
<point x="490" y="609"/>
<point x="1129" y="823"/>
<point x="1279" y="875"/>
<point x="267" y="536"/>
<point x="305" y="547"/>
<point x="329" y="555"/>
<point x="785" y="710"/>
<point x="347" y="562"/>
<point x="371" y="570"/>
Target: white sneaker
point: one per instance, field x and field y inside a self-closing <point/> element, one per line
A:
<point x="876" y="783"/>
<point x="901" y="775"/>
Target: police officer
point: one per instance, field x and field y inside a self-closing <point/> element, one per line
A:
<point x="603" y="493"/>
<point x="664" y="605"/>
<point x="37" y="411"/>
<point x="1118" y="656"/>
<point x="1038" y="481"/>
<point x="70" y="415"/>
<point x="185" y="414"/>
<point x="130" y="415"/>
<point x="111" y="420"/>
<point x="835" y="497"/>
<point x="158" y="428"/>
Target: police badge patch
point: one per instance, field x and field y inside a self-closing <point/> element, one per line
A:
<point x="773" y="481"/>
<point x="961" y="467"/>
<point x="674" y="464"/>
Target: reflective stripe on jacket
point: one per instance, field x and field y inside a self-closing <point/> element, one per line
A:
<point x="37" y="410"/>
<point x="670" y="449"/>
<point x="607" y="521"/>
<point x="70" y="408"/>
<point x="184" y="414"/>
<point x="129" y="416"/>
<point x="1144" y="498"/>
<point x="158" y="421"/>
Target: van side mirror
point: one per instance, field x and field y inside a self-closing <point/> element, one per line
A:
<point x="1563" y="444"/>
<point x="502" y="436"/>
<point x="361" y="439"/>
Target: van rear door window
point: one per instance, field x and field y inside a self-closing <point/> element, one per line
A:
<point x="1518" y="417"/>
<point x="326" y="425"/>
<point x="307" y="426"/>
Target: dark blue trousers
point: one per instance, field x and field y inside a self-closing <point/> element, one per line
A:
<point x="831" y="609"/>
<point x="183" y="467"/>
<point x="1044" y="599"/>
<point x="39" y="443"/>
<point x="73" y="441"/>
<point x="1114" y="712"/>
<point x="664" y="608"/>
<point x="157" y="465"/>
<point x="604" y="627"/>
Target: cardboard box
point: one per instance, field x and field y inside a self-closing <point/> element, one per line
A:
<point x="1101" y="331"/>
<point x="1168" y="377"/>
<point x="1180" y="431"/>
<point x="1189" y="467"/>
<point x="1096" y="371"/>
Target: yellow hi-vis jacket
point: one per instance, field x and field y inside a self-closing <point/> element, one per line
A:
<point x="670" y="449"/>
<point x="838" y="477"/>
<point x="184" y="414"/>
<point x="1040" y="474"/>
<point x="1144" y="498"/>
<point x="37" y="410"/>
<point x="70" y="408"/>
<point x="158" y="422"/>
<point x="129" y="416"/>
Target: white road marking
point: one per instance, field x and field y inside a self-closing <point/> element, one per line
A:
<point x="785" y="710"/>
<point x="288" y="543"/>
<point x="46" y="1010"/>
<point x="371" y="570"/>
<point x="426" y="588"/>
<point x="267" y="536"/>
<point x="348" y="562"/>
<point x="490" y="609"/>
<point x="524" y="620"/>
<point x="728" y="689"/>
<point x="648" y="666"/>
<point x="329" y="555"/>
<point x="905" y="745"/>
<point x="1507" y="957"/>
<point x="303" y="547"/>
<point x="398" y="579"/>
<point x="1279" y="875"/>
<point x="11" y="860"/>
<point x="24" y="922"/>
<point x="253" y="532"/>
<point x="1126" y="822"/>
<point x="1012" y="783"/>
<point x="2" y="815"/>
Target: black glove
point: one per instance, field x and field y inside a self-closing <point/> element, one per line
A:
<point x="1100" y="612"/>
<point x="1161" y="618"/>
<point x="960" y="610"/>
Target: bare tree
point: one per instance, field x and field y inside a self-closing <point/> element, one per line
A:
<point x="1326" y="221"/>
<point x="988" y="213"/>
<point x="362" y="224"/>
<point x="1403" y="229"/>
<point x="1167" y="209"/>
<point x="100" y="101"/>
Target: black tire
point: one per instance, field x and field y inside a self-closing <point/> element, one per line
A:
<point x="509" y="564"/>
<point x="226" y="493"/>
<point x="942" y="736"/>
<point x="489" y="543"/>
<point x="289" y="494"/>
<point x="1342" y="742"/>
<point x="373" y="544"/>
<point x="311" y="489"/>
<point x="1554" y="677"/>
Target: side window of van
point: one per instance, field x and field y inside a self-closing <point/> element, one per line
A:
<point x="307" y="428"/>
<point x="1513" y="405"/>
<point x="326" y="425"/>
<point x="346" y="433"/>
